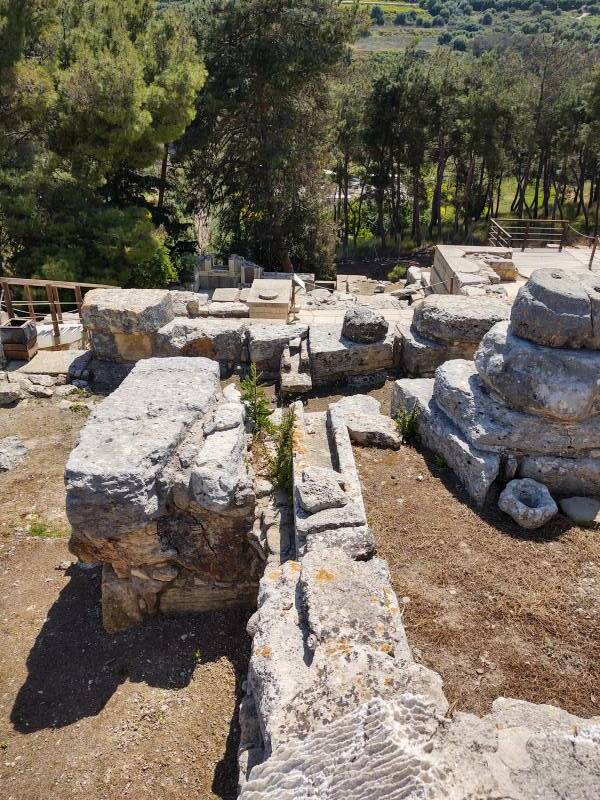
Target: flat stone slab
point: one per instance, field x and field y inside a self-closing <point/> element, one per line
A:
<point x="559" y="383"/>
<point x="225" y="295"/>
<point x="476" y="469"/>
<point x="491" y="425"/>
<point x="113" y="475"/>
<point x="563" y="476"/>
<point x="57" y="362"/>
<point x="454" y="318"/>
<point x="559" y="309"/>
<point x="366" y="426"/>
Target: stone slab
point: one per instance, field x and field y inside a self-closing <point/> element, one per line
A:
<point x="563" y="476"/>
<point x="478" y="470"/>
<point x="419" y="357"/>
<point x="57" y="362"/>
<point x="583" y="511"/>
<point x="221" y="340"/>
<point x="225" y="295"/>
<point x="128" y="311"/>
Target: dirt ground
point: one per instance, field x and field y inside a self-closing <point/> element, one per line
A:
<point x="145" y="713"/>
<point x="496" y="610"/>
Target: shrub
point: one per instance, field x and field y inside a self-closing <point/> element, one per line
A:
<point x="255" y="400"/>
<point x="398" y="272"/>
<point x="377" y="16"/>
<point x="408" y="425"/>
<point x="282" y="463"/>
<point x="459" y="44"/>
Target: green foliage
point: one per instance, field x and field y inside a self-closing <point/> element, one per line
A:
<point x="255" y="400"/>
<point x="89" y="95"/>
<point x="398" y="272"/>
<point x="45" y="530"/>
<point x="281" y="466"/>
<point x="408" y="425"/>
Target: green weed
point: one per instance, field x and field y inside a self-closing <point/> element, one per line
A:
<point x="408" y="425"/>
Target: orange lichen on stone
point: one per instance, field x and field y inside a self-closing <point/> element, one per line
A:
<point x="323" y="575"/>
<point x="264" y="651"/>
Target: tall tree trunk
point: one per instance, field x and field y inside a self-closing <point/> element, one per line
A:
<point x="416" y="211"/>
<point x="162" y="188"/>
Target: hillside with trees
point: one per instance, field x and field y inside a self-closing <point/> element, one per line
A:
<point x="134" y="134"/>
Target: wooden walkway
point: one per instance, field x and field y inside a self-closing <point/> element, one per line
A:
<point x="575" y="259"/>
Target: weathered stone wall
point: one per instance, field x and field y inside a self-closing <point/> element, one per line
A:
<point x="159" y="491"/>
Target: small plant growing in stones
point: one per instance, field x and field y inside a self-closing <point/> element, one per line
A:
<point x="408" y="425"/>
<point x="282" y="462"/>
<point x="255" y="400"/>
<point x="398" y="272"/>
<point x="44" y="530"/>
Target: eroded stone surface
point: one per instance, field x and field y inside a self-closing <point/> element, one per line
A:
<point x="12" y="453"/>
<point x="559" y="309"/>
<point x="490" y="424"/>
<point x="364" y="325"/>
<point x="320" y="489"/>
<point x="453" y="318"/>
<point x="560" y="383"/>
<point x="528" y="502"/>
<point x="220" y="340"/>
<point x="477" y="469"/>
<point x="333" y="357"/>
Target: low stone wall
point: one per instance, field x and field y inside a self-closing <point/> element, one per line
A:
<point x="334" y="357"/>
<point x="335" y="706"/>
<point x="159" y="491"/>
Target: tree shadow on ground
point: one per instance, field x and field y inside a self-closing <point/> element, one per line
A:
<point x="75" y="666"/>
<point x="490" y="513"/>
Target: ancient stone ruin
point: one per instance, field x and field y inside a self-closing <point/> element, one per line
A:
<point x="526" y="406"/>
<point x="158" y="490"/>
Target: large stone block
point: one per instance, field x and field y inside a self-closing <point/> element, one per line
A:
<point x="478" y="470"/>
<point x="559" y="383"/>
<point x="454" y="318"/>
<point x="122" y="323"/>
<point x="362" y="324"/>
<point x="419" y="357"/>
<point x="113" y="475"/>
<point x="333" y="357"/>
<point x="266" y="343"/>
<point x="563" y="476"/>
<point x="491" y="425"/>
<point x="559" y="309"/>
<point x="221" y="340"/>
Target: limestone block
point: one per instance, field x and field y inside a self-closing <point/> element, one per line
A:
<point x="362" y="324"/>
<point x="112" y="476"/>
<point x="563" y="476"/>
<point x="357" y="541"/>
<point x="57" y="362"/>
<point x="122" y="322"/>
<point x="106" y="376"/>
<point x="476" y="469"/>
<point x="559" y="383"/>
<point x="366" y="426"/>
<point x="453" y="318"/>
<point x="320" y="489"/>
<point x="223" y="310"/>
<point x="584" y="511"/>
<point x="12" y="453"/>
<point x="266" y="344"/>
<point x="528" y="502"/>
<point x="220" y="340"/>
<point x="491" y="425"/>
<point x="559" y="309"/>
<point x="333" y="357"/>
<point x="420" y="357"/>
<point x="10" y="393"/>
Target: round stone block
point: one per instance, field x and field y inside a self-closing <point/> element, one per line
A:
<point x="363" y="325"/>
<point x="559" y="309"/>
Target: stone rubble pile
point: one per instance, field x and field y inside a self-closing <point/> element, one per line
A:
<point x="158" y="489"/>
<point x="445" y="327"/>
<point x="49" y="373"/>
<point x="526" y="407"/>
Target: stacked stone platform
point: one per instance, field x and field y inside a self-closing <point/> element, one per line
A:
<point x="527" y="406"/>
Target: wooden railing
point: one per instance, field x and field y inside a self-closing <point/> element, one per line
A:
<point x="27" y="307"/>
<point x="498" y="236"/>
<point x="525" y="233"/>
